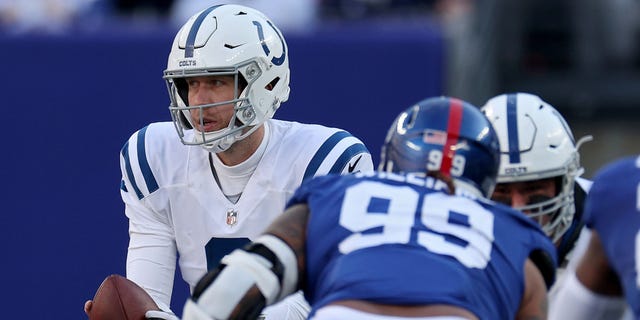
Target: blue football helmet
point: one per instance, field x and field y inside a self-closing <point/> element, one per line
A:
<point x="445" y="135"/>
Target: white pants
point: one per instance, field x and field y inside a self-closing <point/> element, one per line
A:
<point x="342" y="312"/>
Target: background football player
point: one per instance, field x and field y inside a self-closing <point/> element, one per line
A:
<point x="540" y="173"/>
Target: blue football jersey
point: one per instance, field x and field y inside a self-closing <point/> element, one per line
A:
<point x="613" y="210"/>
<point x="396" y="239"/>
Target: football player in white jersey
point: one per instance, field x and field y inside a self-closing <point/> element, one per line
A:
<point x="231" y="168"/>
<point x="540" y="174"/>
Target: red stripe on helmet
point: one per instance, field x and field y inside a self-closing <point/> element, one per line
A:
<point x="453" y="132"/>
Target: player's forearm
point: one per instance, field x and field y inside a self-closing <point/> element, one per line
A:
<point x="152" y="266"/>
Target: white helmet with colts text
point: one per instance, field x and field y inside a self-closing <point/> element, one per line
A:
<point x="537" y="143"/>
<point x="230" y="40"/>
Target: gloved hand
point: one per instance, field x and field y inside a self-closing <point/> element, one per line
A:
<point x="160" y="315"/>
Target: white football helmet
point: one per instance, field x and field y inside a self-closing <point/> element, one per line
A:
<point x="228" y="40"/>
<point x="537" y="143"/>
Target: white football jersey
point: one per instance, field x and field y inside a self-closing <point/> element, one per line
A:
<point x="175" y="207"/>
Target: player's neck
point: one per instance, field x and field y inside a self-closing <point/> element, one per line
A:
<point x="232" y="180"/>
<point x="242" y="150"/>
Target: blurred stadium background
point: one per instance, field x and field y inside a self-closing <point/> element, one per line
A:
<point x="79" y="76"/>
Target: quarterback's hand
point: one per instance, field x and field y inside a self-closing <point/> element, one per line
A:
<point x="87" y="306"/>
<point x="160" y="315"/>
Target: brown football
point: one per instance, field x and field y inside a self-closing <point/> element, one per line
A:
<point x="119" y="298"/>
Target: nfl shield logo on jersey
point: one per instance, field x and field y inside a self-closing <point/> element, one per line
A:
<point x="232" y="217"/>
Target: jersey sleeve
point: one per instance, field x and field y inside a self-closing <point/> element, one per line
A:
<point x="151" y="255"/>
<point x="340" y="153"/>
<point x="541" y="251"/>
<point x="137" y="177"/>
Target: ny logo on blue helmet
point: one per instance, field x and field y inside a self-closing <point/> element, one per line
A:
<point x="445" y="135"/>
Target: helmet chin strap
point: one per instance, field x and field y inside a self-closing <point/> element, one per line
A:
<point x="218" y="145"/>
<point x="223" y="143"/>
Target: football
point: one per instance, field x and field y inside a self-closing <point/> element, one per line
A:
<point x="119" y="298"/>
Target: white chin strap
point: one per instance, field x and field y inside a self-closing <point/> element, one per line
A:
<point x="215" y="145"/>
<point x="223" y="143"/>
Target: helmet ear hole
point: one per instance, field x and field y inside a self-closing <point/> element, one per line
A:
<point x="272" y="84"/>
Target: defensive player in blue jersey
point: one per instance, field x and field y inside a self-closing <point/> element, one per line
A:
<point x="611" y="264"/>
<point x="416" y="240"/>
<point x="230" y="169"/>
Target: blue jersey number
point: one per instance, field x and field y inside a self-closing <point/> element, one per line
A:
<point x="217" y="248"/>
<point x="459" y="217"/>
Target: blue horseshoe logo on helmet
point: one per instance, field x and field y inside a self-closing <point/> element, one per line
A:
<point x="275" y="60"/>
